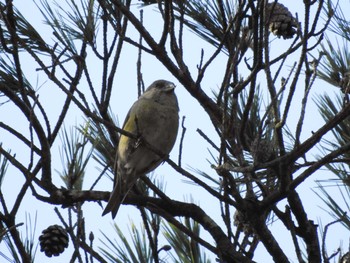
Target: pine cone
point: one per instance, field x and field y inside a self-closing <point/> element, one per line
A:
<point x="53" y="240"/>
<point x="262" y="150"/>
<point x="280" y="21"/>
<point x="241" y="223"/>
<point x="345" y="258"/>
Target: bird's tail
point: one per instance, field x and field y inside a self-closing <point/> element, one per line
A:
<point x="122" y="186"/>
<point x="114" y="201"/>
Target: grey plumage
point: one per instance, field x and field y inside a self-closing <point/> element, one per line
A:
<point x="152" y="118"/>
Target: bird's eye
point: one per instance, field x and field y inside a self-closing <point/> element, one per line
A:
<point x="159" y="85"/>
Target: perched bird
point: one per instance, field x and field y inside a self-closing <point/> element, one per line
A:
<point x="153" y="120"/>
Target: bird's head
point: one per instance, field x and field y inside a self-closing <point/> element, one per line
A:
<point x="162" y="91"/>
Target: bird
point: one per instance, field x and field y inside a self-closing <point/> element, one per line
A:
<point x="153" y="120"/>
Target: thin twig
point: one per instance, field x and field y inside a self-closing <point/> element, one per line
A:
<point x="182" y="140"/>
<point x="293" y="234"/>
<point x="201" y="133"/>
<point x="152" y="244"/>
<point x="324" y="249"/>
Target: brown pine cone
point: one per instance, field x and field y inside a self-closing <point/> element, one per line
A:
<point x="53" y="240"/>
<point x="280" y="21"/>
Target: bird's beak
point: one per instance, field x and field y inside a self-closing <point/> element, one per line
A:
<point x="170" y="87"/>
